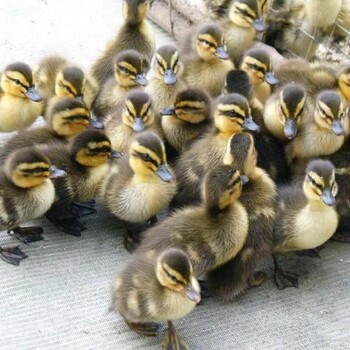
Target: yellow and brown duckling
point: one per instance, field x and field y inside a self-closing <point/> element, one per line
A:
<point x="258" y="65"/>
<point x="139" y="186"/>
<point x="134" y="33"/>
<point x="259" y="199"/>
<point x="306" y="216"/>
<point x="155" y="288"/>
<point x="212" y="232"/>
<point x="130" y="117"/>
<point x="167" y="81"/>
<point x="19" y="101"/>
<point x="129" y="73"/>
<point x="241" y="26"/>
<point x="86" y="163"/>
<point x="232" y="115"/>
<point x="189" y="118"/>
<point x="285" y="111"/>
<point x="27" y="193"/>
<point x="206" y="60"/>
<point x="66" y="117"/>
<point x="322" y="134"/>
<point x="56" y="76"/>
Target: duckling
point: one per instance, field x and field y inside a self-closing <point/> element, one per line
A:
<point x="66" y="117"/>
<point x="258" y="64"/>
<point x="306" y="216"/>
<point x="285" y="110"/>
<point x="134" y="33"/>
<point x="55" y="75"/>
<point x="259" y="199"/>
<point x="86" y="163"/>
<point x="241" y="26"/>
<point x="129" y="118"/>
<point x="19" y="101"/>
<point x="129" y="73"/>
<point x="232" y="115"/>
<point x="322" y="133"/>
<point x="189" y="119"/>
<point x="27" y="193"/>
<point x="154" y="288"/>
<point x="271" y="156"/>
<point x="138" y="187"/>
<point x="210" y="233"/>
<point x="206" y="60"/>
<point x="167" y="81"/>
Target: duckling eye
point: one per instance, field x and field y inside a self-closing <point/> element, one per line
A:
<point x="124" y="70"/>
<point x="173" y="278"/>
<point x="17" y="81"/>
<point x="146" y="157"/>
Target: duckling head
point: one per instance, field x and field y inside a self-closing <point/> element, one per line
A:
<point x="17" y="80"/>
<point x="233" y="115"/>
<point x="246" y="13"/>
<point x="319" y="183"/>
<point x="329" y="113"/>
<point x="211" y="42"/>
<point x="191" y="106"/>
<point x="29" y="167"/>
<point x="135" y="11"/>
<point x="70" y="82"/>
<point x="147" y="157"/>
<point x="174" y="271"/>
<point x="291" y="108"/>
<point x="222" y="186"/>
<point x="237" y="81"/>
<point x="67" y="116"/>
<point x="344" y="83"/>
<point x="258" y="64"/>
<point x="92" y="148"/>
<point x="241" y="154"/>
<point x="129" y="69"/>
<point x="166" y="64"/>
<point x="137" y="112"/>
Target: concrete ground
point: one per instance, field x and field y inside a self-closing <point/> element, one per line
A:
<point x="58" y="297"/>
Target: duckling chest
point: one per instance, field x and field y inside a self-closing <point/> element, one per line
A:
<point x="314" y="226"/>
<point x="17" y="113"/>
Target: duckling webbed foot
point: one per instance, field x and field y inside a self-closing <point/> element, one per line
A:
<point x="27" y="234"/>
<point x="173" y="341"/>
<point x="311" y="253"/>
<point x="69" y="225"/>
<point x="149" y="329"/>
<point x="341" y="236"/>
<point x="79" y="209"/>
<point x="284" y="279"/>
<point x="12" y="255"/>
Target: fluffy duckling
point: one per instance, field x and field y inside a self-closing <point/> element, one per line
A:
<point x="322" y="133"/>
<point x="129" y="118"/>
<point x="167" y="81"/>
<point x="212" y="232"/>
<point x="56" y="76"/>
<point x="206" y="60"/>
<point x="66" y="117"/>
<point x="231" y="116"/>
<point x="285" y="110"/>
<point x="153" y="288"/>
<point x="306" y="216"/>
<point x="271" y="156"/>
<point x="188" y="119"/>
<point x="134" y="33"/>
<point x="258" y="65"/>
<point x="241" y="26"/>
<point x="19" y="101"/>
<point x="86" y="163"/>
<point x="259" y="199"/>
<point x="27" y="193"/>
<point x="129" y="73"/>
<point x="138" y="187"/>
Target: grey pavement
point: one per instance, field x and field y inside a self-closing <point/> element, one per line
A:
<point x="58" y="297"/>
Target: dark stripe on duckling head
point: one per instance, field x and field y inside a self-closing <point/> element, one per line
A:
<point x="261" y="56"/>
<point x="152" y="141"/>
<point x="253" y="9"/>
<point x="169" y="56"/>
<point x="132" y="10"/>
<point x="237" y="81"/>
<point x="23" y="69"/>
<point x="132" y="58"/>
<point x="292" y="100"/>
<point x="323" y="168"/>
<point x="140" y="102"/>
<point x="233" y="105"/>
<point x="333" y="101"/>
<point x="76" y="77"/>
<point x="211" y="32"/>
<point x="177" y="260"/>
